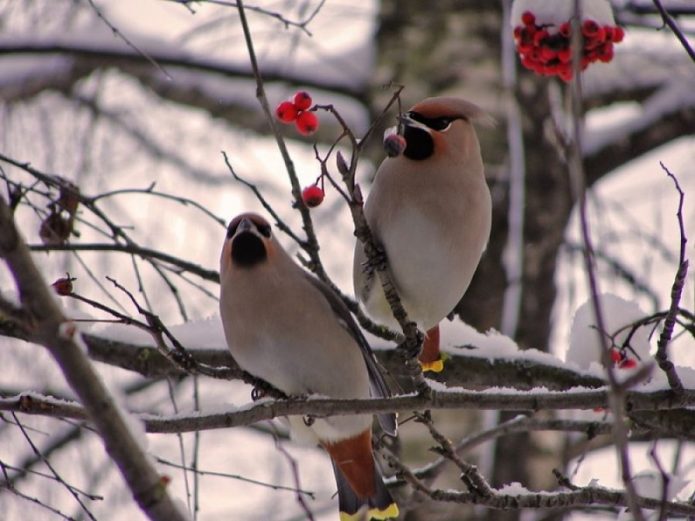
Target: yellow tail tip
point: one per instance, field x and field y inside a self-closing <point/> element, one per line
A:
<point x="380" y="514"/>
<point x="436" y="366"/>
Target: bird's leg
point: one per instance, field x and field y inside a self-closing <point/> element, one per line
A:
<point x="261" y="388"/>
<point x="412" y="349"/>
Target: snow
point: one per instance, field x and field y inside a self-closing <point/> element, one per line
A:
<point x="618" y="314"/>
<point x="204" y="333"/>
<point x="559" y="11"/>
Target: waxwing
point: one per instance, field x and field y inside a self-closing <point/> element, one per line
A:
<point x="430" y="210"/>
<point x="288" y="328"/>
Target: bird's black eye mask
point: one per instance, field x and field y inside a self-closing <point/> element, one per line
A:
<point x="440" y="124"/>
<point x="248" y="250"/>
<point x="261" y="226"/>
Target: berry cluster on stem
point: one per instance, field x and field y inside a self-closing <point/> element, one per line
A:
<point x="298" y="111"/>
<point x="545" y="47"/>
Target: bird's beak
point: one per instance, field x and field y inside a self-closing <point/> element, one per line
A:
<point x="406" y="121"/>
<point x="245" y="225"/>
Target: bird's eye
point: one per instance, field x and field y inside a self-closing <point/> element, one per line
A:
<point x="440" y="124"/>
<point x="264" y="229"/>
<point x="231" y="229"/>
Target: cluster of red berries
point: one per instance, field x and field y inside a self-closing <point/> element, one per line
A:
<point x="545" y="48"/>
<point x="619" y="357"/>
<point x="297" y="112"/>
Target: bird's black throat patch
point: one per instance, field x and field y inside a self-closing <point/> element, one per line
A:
<point x="419" y="143"/>
<point x="248" y="250"/>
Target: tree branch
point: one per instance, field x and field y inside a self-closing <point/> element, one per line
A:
<point x="51" y="329"/>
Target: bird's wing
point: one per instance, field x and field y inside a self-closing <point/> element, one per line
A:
<point x="376" y="379"/>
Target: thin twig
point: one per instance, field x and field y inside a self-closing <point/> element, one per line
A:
<point x="577" y="175"/>
<point x="201" y="472"/>
<point x="668" y="20"/>
<point x="676" y="291"/>
<point x="58" y="478"/>
<point x="127" y="41"/>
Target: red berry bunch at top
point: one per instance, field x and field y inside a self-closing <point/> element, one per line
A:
<point x="297" y="112"/>
<point x="543" y="32"/>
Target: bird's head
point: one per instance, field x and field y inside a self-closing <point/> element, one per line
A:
<point x="249" y="242"/>
<point x="435" y="125"/>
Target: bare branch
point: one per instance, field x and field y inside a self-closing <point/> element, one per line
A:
<point x="668" y="20"/>
<point x="676" y="290"/>
<point x="52" y="330"/>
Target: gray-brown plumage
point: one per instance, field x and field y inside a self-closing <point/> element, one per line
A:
<point x="430" y="210"/>
<point x="286" y="327"/>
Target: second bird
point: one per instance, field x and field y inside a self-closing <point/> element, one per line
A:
<point x="430" y="210"/>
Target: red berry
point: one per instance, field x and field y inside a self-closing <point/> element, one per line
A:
<point x="565" y="55"/>
<point x="565" y="72"/>
<point x="524" y="47"/>
<point x="302" y="100"/>
<point x="517" y="32"/>
<point x="286" y="112"/>
<point x="312" y="196"/>
<point x="307" y="123"/>
<point x="565" y="29"/>
<point x="63" y="286"/>
<point x="547" y="54"/>
<point x="528" y="18"/>
<point x="628" y="363"/>
<point x="539" y="37"/>
<point x="609" y="32"/>
<point x="616" y="355"/>
<point x="589" y="28"/>
<point x="618" y="34"/>
<point x="394" y="145"/>
<point x="606" y="53"/>
<point x="600" y="35"/>
<point x="527" y="62"/>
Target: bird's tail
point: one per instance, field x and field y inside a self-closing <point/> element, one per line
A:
<point x="431" y="358"/>
<point x="362" y="494"/>
<point x="352" y="507"/>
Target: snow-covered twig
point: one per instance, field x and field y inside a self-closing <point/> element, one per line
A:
<point x="535" y="400"/>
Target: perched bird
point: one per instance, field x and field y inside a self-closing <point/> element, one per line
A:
<point x="288" y="328"/>
<point x="430" y="210"/>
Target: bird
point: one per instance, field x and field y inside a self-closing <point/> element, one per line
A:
<point x="288" y="328"/>
<point x="430" y="211"/>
